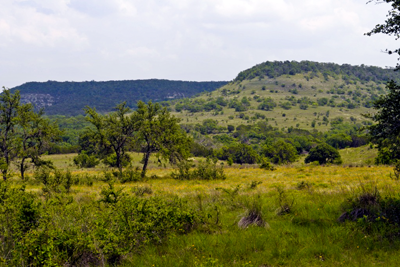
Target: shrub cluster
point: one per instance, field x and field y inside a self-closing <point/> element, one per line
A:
<point x="373" y="213"/>
<point x="58" y="231"/>
<point x="205" y="170"/>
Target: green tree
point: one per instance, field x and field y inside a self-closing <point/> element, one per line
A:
<point x="391" y="25"/>
<point x="340" y="140"/>
<point x="113" y="132"/>
<point x="323" y="153"/>
<point x="9" y="104"/>
<point x="267" y="104"/>
<point x="35" y="136"/>
<point x="238" y="153"/>
<point x="386" y="130"/>
<point x="280" y="152"/>
<point x="157" y="131"/>
<point x="24" y="134"/>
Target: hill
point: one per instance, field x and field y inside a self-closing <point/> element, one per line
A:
<point x="306" y="95"/>
<point x="69" y="98"/>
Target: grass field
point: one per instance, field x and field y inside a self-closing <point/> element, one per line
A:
<point x="308" y="234"/>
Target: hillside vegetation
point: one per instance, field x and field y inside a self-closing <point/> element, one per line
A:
<point x="304" y="103"/>
<point x="69" y="98"/>
<point x="306" y="95"/>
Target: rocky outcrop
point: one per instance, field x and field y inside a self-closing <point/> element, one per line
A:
<point x="38" y="100"/>
<point x="175" y="95"/>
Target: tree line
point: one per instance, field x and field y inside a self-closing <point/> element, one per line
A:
<point x="273" y="69"/>
<point x="150" y="129"/>
<point x="25" y="135"/>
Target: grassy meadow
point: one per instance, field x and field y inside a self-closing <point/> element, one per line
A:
<point x="299" y="205"/>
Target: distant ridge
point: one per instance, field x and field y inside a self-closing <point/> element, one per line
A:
<point x="273" y="69"/>
<point x="69" y="98"/>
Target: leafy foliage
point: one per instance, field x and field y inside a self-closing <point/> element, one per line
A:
<point x="391" y="25"/>
<point x="84" y="160"/>
<point x="238" y="153"/>
<point x="280" y="152"/>
<point x="113" y="133"/>
<point x="386" y="131"/>
<point x="205" y="170"/>
<point x="159" y="132"/>
<point x="59" y="231"/>
<point x="323" y="153"/>
<point x="24" y="134"/>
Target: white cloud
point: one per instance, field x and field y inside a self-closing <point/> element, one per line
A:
<point x="180" y="39"/>
<point x="142" y="52"/>
<point x="25" y="23"/>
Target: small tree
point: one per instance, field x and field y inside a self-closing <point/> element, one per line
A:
<point x="24" y="134"/>
<point x="238" y="153"/>
<point x="280" y="152"/>
<point x="157" y="131"/>
<point x="35" y="136"/>
<point x="386" y="130"/>
<point x="323" y="153"/>
<point x="8" y="114"/>
<point x="113" y="132"/>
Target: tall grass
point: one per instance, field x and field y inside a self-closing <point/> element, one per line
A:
<point x="308" y="234"/>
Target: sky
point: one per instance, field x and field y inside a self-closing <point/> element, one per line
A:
<point x="192" y="40"/>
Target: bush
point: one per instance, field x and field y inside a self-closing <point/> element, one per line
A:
<point x="140" y="191"/>
<point x="324" y="153"/>
<point x="280" y="152"/>
<point x="239" y="153"/>
<point x="373" y="213"/>
<point x="205" y="170"/>
<point x="61" y="232"/>
<point x="54" y="181"/>
<point x="111" y="160"/>
<point x="285" y="205"/>
<point x="129" y="175"/>
<point x="253" y="215"/>
<point x="83" y="160"/>
<point x="266" y="165"/>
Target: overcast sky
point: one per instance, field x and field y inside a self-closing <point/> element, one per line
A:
<point x="197" y="40"/>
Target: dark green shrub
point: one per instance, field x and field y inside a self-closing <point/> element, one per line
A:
<point x="128" y="175"/>
<point x="84" y="160"/>
<point x="323" y="153"/>
<point x="373" y="214"/>
<point x="280" y="152"/>
<point x="239" y="153"/>
<point x="111" y="160"/>
<point x="266" y="165"/>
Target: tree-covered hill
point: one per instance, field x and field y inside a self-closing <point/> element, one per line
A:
<point x="304" y="95"/>
<point x="274" y="69"/>
<point x="69" y="98"/>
